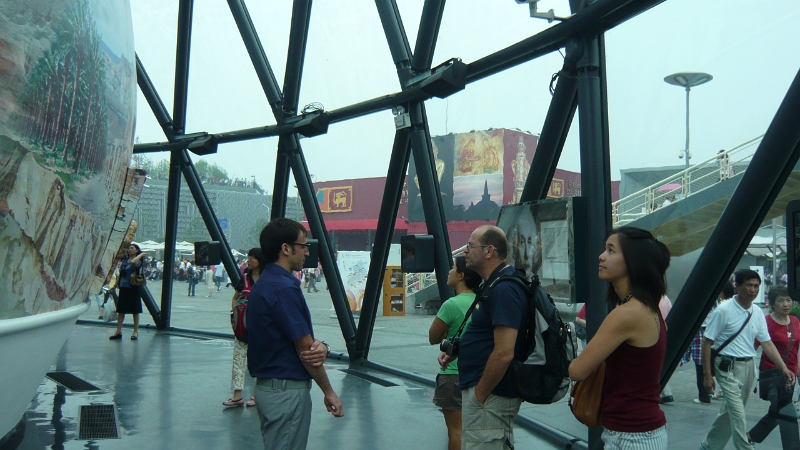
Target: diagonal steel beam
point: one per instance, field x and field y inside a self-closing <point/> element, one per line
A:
<point x="257" y="55"/>
<point x="419" y="137"/>
<point x="305" y="189"/>
<point x="182" y="50"/>
<point x="207" y="213"/>
<point x="392" y="193"/>
<point x="396" y="38"/>
<point x="428" y="32"/>
<point x="154" y="100"/>
<point x="776" y="157"/>
<point x="298" y="37"/>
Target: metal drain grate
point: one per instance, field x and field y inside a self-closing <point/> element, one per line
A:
<point x="72" y="382"/>
<point x="97" y="422"/>
<point x="368" y="377"/>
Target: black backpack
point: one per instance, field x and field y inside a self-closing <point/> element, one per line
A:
<point x="540" y="368"/>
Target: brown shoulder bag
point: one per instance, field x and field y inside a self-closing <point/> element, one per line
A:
<point x="586" y="398"/>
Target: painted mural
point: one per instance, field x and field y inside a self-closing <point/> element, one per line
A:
<point x="67" y="113"/>
<point x="478" y="173"/>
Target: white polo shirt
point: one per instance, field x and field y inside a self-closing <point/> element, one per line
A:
<point x="726" y="321"/>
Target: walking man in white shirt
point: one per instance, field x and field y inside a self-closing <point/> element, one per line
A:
<point x="735" y="370"/>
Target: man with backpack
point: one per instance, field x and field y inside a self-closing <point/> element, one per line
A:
<point x="491" y="399"/>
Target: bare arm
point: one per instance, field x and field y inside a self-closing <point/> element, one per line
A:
<point x="504" y="340"/>
<point x="617" y="328"/>
<point x="708" y="379"/>
<point x="775" y="357"/>
<point x="438" y="331"/>
<point x="332" y="402"/>
<point x="581" y="322"/>
<point x="138" y="257"/>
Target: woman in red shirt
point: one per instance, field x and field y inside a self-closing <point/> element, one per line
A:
<point x="632" y="340"/>
<point x="783" y="329"/>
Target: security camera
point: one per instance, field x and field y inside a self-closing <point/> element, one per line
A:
<point x="680" y="155"/>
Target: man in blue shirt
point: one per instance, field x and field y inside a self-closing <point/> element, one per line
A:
<point x="282" y="354"/>
<point x="490" y="399"/>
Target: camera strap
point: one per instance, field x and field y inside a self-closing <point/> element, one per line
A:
<point x="466" y="316"/>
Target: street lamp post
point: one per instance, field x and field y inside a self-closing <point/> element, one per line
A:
<point x="688" y="80"/>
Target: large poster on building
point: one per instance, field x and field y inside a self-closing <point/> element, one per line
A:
<point x="478" y="172"/>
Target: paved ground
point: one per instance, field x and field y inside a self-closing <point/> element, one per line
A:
<point x="401" y="342"/>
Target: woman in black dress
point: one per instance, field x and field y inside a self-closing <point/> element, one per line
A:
<point x="130" y="301"/>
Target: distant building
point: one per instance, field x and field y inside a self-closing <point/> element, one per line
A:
<point x="241" y="212"/>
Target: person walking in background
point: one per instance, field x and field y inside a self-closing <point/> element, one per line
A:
<point x="209" y="280"/>
<point x="772" y="386"/>
<point x="192" y="274"/>
<point x="732" y="329"/>
<point x="130" y="301"/>
<point x="255" y="263"/>
<point x="218" y="273"/>
<point x="632" y="340"/>
<point x="311" y="279"/>
<point x="445" y="326"/>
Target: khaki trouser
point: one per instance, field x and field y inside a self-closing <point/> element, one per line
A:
<point x="489" y="426"/>
<point x="736" y="386"/>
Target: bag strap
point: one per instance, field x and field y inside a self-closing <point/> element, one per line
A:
<point x="466" y="316"/>
<point x="730" y="339"/>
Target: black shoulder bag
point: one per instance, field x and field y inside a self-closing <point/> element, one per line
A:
<point x="717" y="351"/>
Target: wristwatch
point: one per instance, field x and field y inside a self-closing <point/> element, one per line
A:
<point x="329" y="348"/>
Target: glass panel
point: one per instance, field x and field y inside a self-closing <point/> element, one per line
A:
<point x="224" y="91"/>
<point x="155" y="28"/>
<point x="347" y="58"/>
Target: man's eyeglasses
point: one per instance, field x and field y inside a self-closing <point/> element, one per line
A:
<point x="474" y="246"/>
<point x="305" y="246"/>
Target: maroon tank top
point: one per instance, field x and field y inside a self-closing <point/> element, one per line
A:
<point x="631" y="391"/>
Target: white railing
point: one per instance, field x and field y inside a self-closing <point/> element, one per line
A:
<point x="696" y="178"/>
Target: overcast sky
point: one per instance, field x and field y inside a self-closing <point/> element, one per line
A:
<point x="750" y="48"/>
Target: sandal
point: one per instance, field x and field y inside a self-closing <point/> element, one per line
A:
<point x="251" y="402"/>
<point x="232" y="402"/>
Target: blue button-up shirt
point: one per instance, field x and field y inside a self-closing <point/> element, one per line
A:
<point x="277" y="315"/>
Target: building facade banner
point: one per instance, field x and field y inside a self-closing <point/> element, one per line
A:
<point x="478" y="172"/>
<point x="335" y="199"/>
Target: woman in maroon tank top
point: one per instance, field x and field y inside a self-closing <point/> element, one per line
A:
<point x="632" y="340"/>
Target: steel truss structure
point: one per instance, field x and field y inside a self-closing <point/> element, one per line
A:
<point x="581" y="81"/>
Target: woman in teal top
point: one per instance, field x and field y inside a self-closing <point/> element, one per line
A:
<point x="447" y="395"/>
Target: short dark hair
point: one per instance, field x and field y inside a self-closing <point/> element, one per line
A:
<point x="138" y="249"/>
<point x="494" y="236"/>
<point x="745" y="274"/>
<point x="256" y="253"/>
<point x="276" y="233"/>
<point x="471" y="278"/>
<point x="775" y="292"/>
<point x="647" y="260"/>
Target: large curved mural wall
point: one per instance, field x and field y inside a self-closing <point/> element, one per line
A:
<point x="67" y="112"/>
